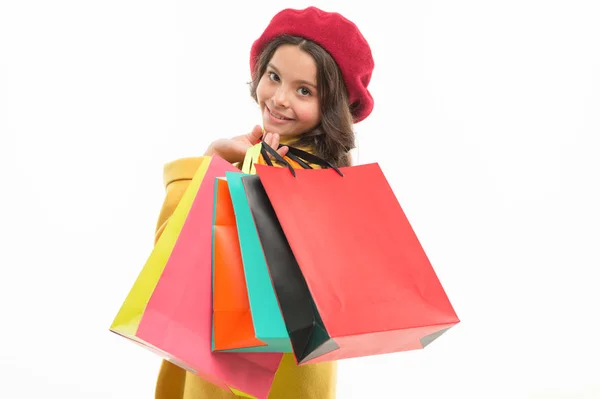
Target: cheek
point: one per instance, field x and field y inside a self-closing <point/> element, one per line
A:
<point x="262" y="91"/>
<point x="308" y="113"/>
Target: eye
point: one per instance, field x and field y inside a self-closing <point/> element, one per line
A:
<point x="303" y="91"/>
<point x="273" y="76"/>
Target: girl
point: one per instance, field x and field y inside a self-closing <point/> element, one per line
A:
<point x="310" y="72"/>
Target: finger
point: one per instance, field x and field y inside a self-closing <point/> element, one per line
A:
<point x="275" y="140"/>
<point x="268" y="138"/>
<point x="255" y="135"/>
<point x="283" y="150"/>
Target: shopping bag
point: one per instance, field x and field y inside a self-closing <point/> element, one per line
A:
<point x="267" y="320"/>
<point x="169" y="308"/>
<point x="246" y="314"/>
<point x="350" y="274"/>
<point x="233" y="326"/>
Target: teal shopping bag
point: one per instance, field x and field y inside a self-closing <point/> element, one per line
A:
<point x="267" y="318"/>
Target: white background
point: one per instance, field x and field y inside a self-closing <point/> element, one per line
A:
<point x="486" y="123"/>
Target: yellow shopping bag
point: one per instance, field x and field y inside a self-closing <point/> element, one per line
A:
<point x="129" y="316"/>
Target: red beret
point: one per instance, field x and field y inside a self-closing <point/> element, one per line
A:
<point x="339" y="37"/>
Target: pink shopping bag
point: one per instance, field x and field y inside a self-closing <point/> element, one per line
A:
<point x="177" y="319"/>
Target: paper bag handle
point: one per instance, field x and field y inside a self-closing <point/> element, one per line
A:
<point x="266" y="150"/>
<point x="302" y="157"/>
<point x="295" y="154"/>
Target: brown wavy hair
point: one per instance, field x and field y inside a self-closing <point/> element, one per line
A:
<point x="334" y="137"/>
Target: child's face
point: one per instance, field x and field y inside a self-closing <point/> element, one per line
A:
<point x="287" y="93"/>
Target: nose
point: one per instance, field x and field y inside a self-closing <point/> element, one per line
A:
<point x="280" y="97"/>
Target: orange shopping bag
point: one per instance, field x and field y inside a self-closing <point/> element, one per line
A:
<point x="232" y="319"/>
<point x="243" y="321"/>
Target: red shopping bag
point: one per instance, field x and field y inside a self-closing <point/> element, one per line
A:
<point x="345" y="254"/>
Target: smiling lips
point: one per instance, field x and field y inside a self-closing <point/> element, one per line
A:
<point x="277" y="116"/>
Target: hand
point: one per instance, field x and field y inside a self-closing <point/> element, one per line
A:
<point x="234" y="149"/>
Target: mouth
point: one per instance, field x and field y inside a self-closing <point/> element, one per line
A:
<point x="277" y="116"/>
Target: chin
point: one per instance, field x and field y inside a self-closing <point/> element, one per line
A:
<point x="269" y="128"/>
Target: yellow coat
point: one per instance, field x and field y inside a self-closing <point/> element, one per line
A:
<point x="316" y="381"/>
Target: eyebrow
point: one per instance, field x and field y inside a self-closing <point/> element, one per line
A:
<point x="273" y="67"/>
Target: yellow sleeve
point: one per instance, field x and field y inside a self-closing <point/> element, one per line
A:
<point x="176" y="178"/>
